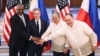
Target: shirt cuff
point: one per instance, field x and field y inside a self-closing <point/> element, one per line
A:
<point x="30" y="38"/>
<point x="45" y="39"/>
<point x="94" y="44"/>
<point x="66" y="46"/>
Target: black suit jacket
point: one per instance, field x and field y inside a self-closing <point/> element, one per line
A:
<point x="34" y="31"/>
<point x="19" y="33"/>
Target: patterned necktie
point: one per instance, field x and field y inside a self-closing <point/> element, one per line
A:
<point x="23" y="19"/>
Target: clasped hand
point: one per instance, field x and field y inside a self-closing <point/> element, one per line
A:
<point x="38" y="40"/>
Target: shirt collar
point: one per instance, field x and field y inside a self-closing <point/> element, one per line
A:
<point x="58" y="22"/>
<point x="20" y="15"/>
<point x="37" y="20"/>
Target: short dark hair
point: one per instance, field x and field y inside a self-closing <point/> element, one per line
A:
<point x="20" y="4"/>
<point x="69" y="14"/>
<point x="36" y="9"/>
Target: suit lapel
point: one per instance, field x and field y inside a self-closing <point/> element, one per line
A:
<point x="33" y="24"/>
<point x="25" y="19"/>
<point x="20" y="21"/>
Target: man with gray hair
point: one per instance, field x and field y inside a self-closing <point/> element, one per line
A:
<point x="59" y="42"/>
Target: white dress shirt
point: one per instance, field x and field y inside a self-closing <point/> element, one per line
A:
<point x="85" y="38"/>
<point x="39" y="22"/>
<point x="80" y="37"/>
<point x="58" y="42"/>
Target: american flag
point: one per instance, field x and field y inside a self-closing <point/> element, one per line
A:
<point x="10" y="10"/>
<point x="63" y="7"/>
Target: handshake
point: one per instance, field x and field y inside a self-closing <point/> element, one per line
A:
<point x="38" y="40"/>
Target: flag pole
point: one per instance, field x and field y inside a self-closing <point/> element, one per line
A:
<point x="21" y="1"/>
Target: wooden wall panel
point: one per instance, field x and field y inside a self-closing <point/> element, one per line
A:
<point x="50" y="3"/>
<point x="3" y="5"/>
<point x="75" y="3"/>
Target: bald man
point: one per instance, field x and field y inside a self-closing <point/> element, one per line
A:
<point x="85" y="39"/>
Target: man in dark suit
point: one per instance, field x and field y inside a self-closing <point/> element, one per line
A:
<point x="19" y="36"/>
<point x="38" y="27"/>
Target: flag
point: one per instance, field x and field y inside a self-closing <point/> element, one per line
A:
<point x="33" y="4"/>
<point x="44" y="14"/>
<point x="10" y="10"/>
<point x="39" y="4"/>
<point x="63" y="7"/>
<point x="88" y="13"/>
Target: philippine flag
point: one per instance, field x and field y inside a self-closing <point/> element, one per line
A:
<point x="39" y="4"/>
<point x="88" y="13"/>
